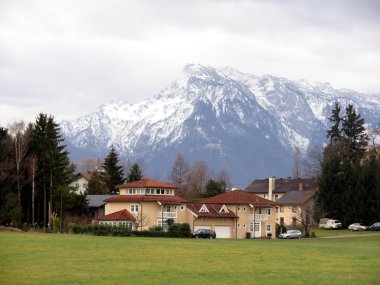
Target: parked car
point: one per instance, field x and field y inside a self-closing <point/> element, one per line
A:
<point x="375" y="227"/>
<point x="330" y="224"/>
<point x="291" y="234"/>
<point x="357" y="227"/>
<point x="204" y="233"/>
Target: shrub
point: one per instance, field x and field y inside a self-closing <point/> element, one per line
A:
<point x="280" y="229"/>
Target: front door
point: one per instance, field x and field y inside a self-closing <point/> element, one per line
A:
<point x="255" y="229"/>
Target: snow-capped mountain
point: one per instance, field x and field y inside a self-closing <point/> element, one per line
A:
<point x="246" y="124"/>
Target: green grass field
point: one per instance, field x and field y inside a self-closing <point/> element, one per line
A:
<point x="36" y="258"/>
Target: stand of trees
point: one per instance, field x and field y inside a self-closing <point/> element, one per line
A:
<point x="349" y="183"/>
<point x="35" y="173"/>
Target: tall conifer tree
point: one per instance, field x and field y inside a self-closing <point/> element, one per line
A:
<point x="113" y="172"/>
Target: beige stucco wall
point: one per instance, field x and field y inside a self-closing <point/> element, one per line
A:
<point x="148" y="212"/>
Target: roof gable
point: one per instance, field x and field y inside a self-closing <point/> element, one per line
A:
<point x="214" y="211"/>
<point x="203" y="209"/>
<point x="122" y="215"/>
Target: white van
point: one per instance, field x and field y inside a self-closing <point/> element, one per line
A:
<point x="330" y="224"/>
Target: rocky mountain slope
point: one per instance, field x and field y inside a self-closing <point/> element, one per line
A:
<point x="246" y="124"/>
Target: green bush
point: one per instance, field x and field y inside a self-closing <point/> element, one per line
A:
<point x="280" y="229"/>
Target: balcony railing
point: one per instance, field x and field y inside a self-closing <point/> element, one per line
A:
<point x="258" y="217"/>
<point x="167" y="215"/>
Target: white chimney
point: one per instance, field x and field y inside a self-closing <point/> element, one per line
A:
<point x="271" y="186"/>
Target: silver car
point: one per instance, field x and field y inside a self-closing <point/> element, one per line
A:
<point x="291" y="234"/>
<point x="357" y="227"/>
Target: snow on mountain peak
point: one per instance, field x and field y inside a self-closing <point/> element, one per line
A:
<point x="255" y="121"/>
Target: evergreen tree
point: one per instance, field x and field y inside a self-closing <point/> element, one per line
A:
<point x="135" y="173"/>
<point x="354" y="135"/>
<point x="334" y="133"/>
<point x="54" y="166"/>
<point x="342" y="191"/>
<point x="95" y="185"/>
<point x="214" y="188"/>
<point x="113" y="172"/>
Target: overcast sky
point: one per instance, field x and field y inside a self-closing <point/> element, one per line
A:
<point x="66" y="58"/>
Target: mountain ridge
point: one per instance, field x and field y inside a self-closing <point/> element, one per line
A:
<point x="246" y="124"/>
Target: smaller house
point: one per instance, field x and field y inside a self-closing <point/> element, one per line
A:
<point x="96" y="203"/>
<point x="293" y="205"/>
<point x="80" y="184"/>
<point x="120" y="218"/>
<point x="292" y="196"/>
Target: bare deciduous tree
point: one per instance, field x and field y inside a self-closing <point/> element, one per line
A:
<point x="197" y="178"/>
<point x="180" y="171"/>
<point x="20" y="138"/>
<point x="297" y="162"/>
<point x="312" y="162"/>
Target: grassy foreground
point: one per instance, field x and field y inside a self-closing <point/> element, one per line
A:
<point x="36" y="258"/>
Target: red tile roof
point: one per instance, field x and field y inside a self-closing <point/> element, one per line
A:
<point x="213" y="211"/>
<point x="164" y="200"/>
<point x="122" y="215"/>
<point x="147" y="183"/>
<point x="86" y="175"/>
<point x="239" y="197"/>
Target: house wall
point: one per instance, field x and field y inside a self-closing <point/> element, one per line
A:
<point x="243" y="222"/>
<point x="80" y="185"/>
<point x="148" y="212"/>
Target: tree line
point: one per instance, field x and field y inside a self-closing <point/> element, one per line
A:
<point x="349" y="181"/>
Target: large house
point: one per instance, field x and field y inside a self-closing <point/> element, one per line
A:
<point x="151" y="202"/>
<point x="146" y="203"/>
<point x="293" y="197"/>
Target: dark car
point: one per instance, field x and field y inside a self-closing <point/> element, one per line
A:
<point x="375" y="227"/>
<point x="204" y="233"/>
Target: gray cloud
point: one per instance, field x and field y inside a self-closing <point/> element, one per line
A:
<point x="68" y="57"/>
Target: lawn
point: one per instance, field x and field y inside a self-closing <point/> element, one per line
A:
<point x="36" y="258"/>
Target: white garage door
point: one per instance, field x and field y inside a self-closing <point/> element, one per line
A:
<point x="223" y="231"/>
<point x="202" y="227"/>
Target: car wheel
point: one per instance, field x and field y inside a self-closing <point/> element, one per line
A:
<point x="299" y="236"/>
<point x="287" y="237"/>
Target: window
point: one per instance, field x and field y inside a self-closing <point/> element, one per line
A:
<point x="259" y="210"/>
<point x="182" y="208"/>
<point x="268" y="228"/>
<point x="269" y="211"/>
<point x="134" y="208"/>
<point x="76" y="185"/>
<point x="203" y="209"/>
<point x="275" y="197"/>
<point x="294" y="209"/>
<point x="281" y="209"/>
<point x="238" y="208"/>
<point x="244" y="209"/>
<point x="238" y="226"/>
<point x="251" y="227"/>
<point x="294" y="221"/>
<point x="276" y="209"/>
<point x="257" y="227"/>
<point x="244" y="226"/>
<point x="168" y="209"/>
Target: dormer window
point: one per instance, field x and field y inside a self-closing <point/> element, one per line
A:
<point x="223" y="209"/>
<point x="203" y="209"/>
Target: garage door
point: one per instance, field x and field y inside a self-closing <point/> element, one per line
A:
<point x="202" y="227"/>
<point x="223" y="231"/>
